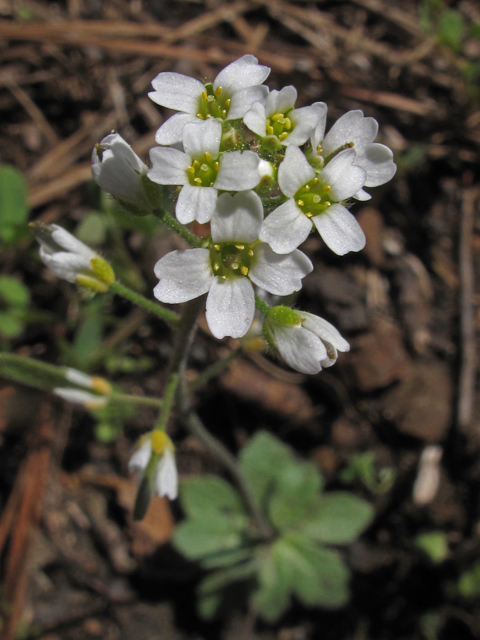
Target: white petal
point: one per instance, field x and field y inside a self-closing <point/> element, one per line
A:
<point x="230" y="307"/>
<point x="195" y="203"/>
<point x="294" y="172"/>
<point x="244" y="72"/>
<point x="176" y="91"/>
<point x="280" y="101"/>
<point x="319" y="132"/>
<point x="237" y="217"/>
<point x="77" y="396"/>
<point x="340" y="230"/>
<point x="362" y="195"/>
<point x="166" y="482"/>
<point x="256" y="120"/>
<point x="286" y="227"/>
<point x="304" y="121"/>
<point x="300" y="349"/>
<point x="69" y="243"/>
<point x="344" y="178"/>
<point x="243" y="100"/>
<point x="171" y="130"/>
<point x="351" y="127"/>
<point x="141" y="456"/>
<point x="184" y="275"/>
<point x="324" y="330"/>
<point x="65" y="265"/>
<point x="202" y="136"/>
<point x="279" y="274"/>
<point x="169" y="166"/>
<point x="78" y="377"/>
<point x="377" y="160"/>
<point x="238" y="171"/>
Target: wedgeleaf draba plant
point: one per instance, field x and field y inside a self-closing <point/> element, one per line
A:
<point x="262" y="174"/>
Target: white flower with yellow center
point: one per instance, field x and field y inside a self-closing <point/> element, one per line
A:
<point x="227" y="268"/>
<point x="305" y="341"/>
<point x="228" y="97"/>
<point x="155" y="458"/>
<point x="354" y="131"/>
<point x="202" y="170"/>
<point x="71" y="260"/>
<point x="277" y="117"/>
<point x="316" y="199"/>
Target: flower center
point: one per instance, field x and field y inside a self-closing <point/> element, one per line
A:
<point x="203" y="171"/>
<point x="231" y="259"/>
<point x="279" y="125"/>
<point x="213" y="103"/>
<point x="313" y="198"/>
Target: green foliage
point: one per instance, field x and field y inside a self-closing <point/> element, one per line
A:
<point x="14" y="300"/>
<point x="33" y="373"/>
<point x="13" y="205"/>
<point x="434" y="544"/>
<point x="361" y="466"/>
<point x="296" y="562"/>
<point x="468" y="584"/>
<point x="451" y="28"/>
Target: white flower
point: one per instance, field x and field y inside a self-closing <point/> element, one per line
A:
<point x="202" y="170"/>
<point x="98" y="384"/>
<point x="306" y="342"/>
<point x="118" y="170"/>
<point x="229" y="97"/>
<point x="70" y="259"/>
<point x="228" y="267"/>
<point x="156" y="451"/>
<point x="78" y="396"/>
<point x="314" y="199"/>
<point x="353" y="130"/>
<point x="277" y="117"/>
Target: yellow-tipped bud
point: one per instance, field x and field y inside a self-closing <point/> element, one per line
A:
<point x="160" y="441"/>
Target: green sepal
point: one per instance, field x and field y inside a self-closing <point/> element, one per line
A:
<point x="103" y="270"/>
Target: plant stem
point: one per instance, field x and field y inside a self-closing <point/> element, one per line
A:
<point x="196" y="427"/>
<point x="181" y="347"/>
<point x="262" y="306"/>
<point x="141" y="301"/>
<point x="126" y="398"/>
<point x="214" y="370"/>
<point x="176" y="226"/>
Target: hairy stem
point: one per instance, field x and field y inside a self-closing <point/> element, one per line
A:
<point x="141" y="301"/>
<point x="176" y="226"/>
<point x="262" y="306"/>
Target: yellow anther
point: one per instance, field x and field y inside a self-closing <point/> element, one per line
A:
<point x="240" y="247"/>
<point x="288" y="123"/>
<point x="307" y="187"/>
<point x="209" y="115"/>
<point x="350" y="144"/>
<point x="270" y="130"/>
<point x="211" y="99"/>
<point x="300" y="203"/>
<point x="216" y="165"/>
<point x="224" y="113"/>
<point x="309" y="214"/>
<point x="277" y="117"/>
<point x="196" y="164"/>
<point x="250" y="253"/>
<point x="204" y="95"/>
<point x="319" y="149"/>
<point x="228" y="103"/>
<point x="316" y="198"/>
<point x="199" y="115"/>
<point x="191" y="169"/>
<point x="216" y="247"/>
<point x="207" y="156"/>
<point x="327" y="203"/>
<point x="198" y="180"/>
<point x="326" y="188"/>
<point x="100" y="385"/>
<point x="314" y="181"/>
<point x="204" y="167"/>
<point x="244" y="270"/>
<point x="216" y="266"/>
<point x="218" y="91"/>
<point x="283" y="135"/>
<point x="160" y="441"/>
<point x="212" y="183"/>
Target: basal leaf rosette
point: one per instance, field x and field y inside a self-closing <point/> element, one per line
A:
<point x="316" y="199"/>
<point x="227" y="269"/>
<point x="202" y="170"/>
<point x="228" y="97"/>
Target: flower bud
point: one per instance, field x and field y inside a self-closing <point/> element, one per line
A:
<point x="154" y="459"/>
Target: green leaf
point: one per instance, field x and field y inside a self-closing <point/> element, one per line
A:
<point x="451" y="26"/>
<point x="14" y="292"/>
<point x="263" y="461"/>
<point x="226" y="558"/>
<point x="106" y="432"/>
<point x="13" y="202"/>
<point x="208" y="605"/>
<point x="434" y="544"/>
<point x="339" y="518"/>
<point x="295" y="494"/>
<point x="31" y="372"/>
<point x="469" y="583"/>
<point x="273" y="595"/>
<point x="318" y="576"/>
<point x="207" y="493"/>
<point x="88" y="338"/>
<point x="201" y="539"/>
<point x="220" y="579"/>
<point x="92" y="230"/>
<point x="10" y="326"/>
